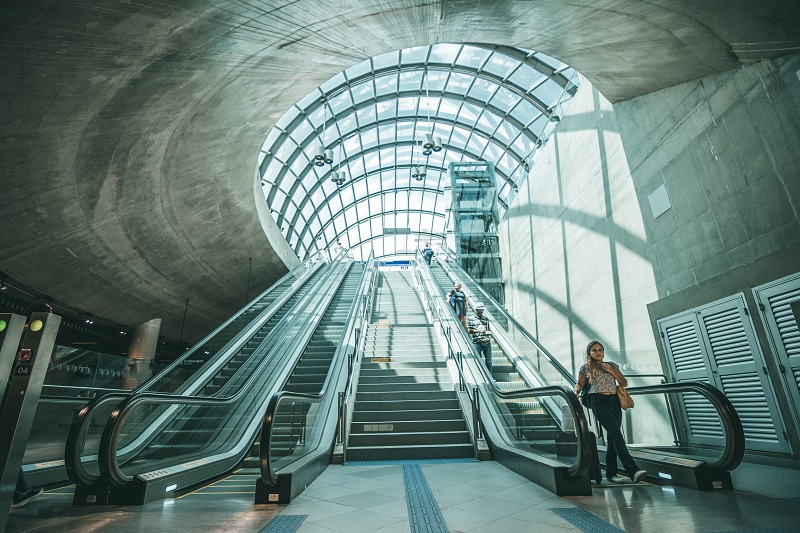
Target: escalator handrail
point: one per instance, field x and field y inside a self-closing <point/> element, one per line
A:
<point x="734" y="449"/>
<point x="552" y="360"/>
<point x="72" y="448"/>
<point x="268" y="474"/>
<point x="154" y="379"/>
<point x="581" y="466"/>
<point x="107" y="454"/>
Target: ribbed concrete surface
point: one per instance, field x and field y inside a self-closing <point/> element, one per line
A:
<point x="130" y="129"/>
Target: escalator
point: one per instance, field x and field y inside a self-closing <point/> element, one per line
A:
<point x="215" y="366"/>
<point x="302" y="423"/>
<point x="533" y="424"/>
<point x="155" y="444"/>
<point x="527" y="422"/>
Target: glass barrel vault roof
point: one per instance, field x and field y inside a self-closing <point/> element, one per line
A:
<point x="485" y="103"/>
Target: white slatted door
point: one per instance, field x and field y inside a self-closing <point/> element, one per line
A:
<point x="775" y="303"/>
<point x="737" y="365"/>
<point x="685" y="356"/>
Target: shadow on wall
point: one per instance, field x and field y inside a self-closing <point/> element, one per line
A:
<point x="579" y="237"/>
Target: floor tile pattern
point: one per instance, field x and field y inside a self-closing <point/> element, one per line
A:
<point x="473" y="497"/>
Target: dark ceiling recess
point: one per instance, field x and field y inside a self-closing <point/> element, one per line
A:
<point x="80" y="329"/>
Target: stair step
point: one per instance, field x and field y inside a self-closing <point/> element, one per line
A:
<point x="403" y="395"/>
<point x="406" y="405"/>
<point x="411" y="438"/>
<point x="408" y="426"/>
<point x="438" y="451"/>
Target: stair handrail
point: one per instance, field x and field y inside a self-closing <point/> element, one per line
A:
<point x="345" y="415"/>
<point x="107" y="456"/>
<point x="452" y="353"/>
<point x="268" y="474"/>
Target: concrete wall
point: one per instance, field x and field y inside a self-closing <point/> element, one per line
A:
<point x="583" y="255"/>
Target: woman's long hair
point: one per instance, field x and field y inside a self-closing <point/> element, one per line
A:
<point x="592" y="366"/>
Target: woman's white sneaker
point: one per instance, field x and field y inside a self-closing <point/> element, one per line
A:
<point x="640" y="475"/>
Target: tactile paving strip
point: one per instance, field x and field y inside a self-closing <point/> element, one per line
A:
<point x="770" y="530"/>
<point x="423" y="511"/>
<point x="585" y="521"/>
<point x="410" y="462"/>
<point x="284" y="523"/>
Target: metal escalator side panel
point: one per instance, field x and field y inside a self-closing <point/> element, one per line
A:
<point x="299" y="429"/>
<point x="186" y="375"/>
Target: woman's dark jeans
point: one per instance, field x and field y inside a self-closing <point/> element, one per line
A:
<point x="607" y="411"/>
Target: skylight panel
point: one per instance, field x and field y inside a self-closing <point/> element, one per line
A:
<point x="410" y="56"/>
<point x="500" y="65"/>
<point x="359" y="69"/>
<point x="444" y="53"/>
<point x="472" y="57"/>
<point x="386" y="84"/>
<point x="386" y="60"/>
<point x="376" y="143"/>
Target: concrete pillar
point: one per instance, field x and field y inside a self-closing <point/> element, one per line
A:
<point x="141" y="351"/>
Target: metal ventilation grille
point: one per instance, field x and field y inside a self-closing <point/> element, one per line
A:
<point x="787" y="325"/>
<point x="745" y="393"/>
<point x="703" y="421"/>
<point x="739" y="378"/>
<point x="685" y="347"/>
<point x="716" y="343"/>
<point x="729" y="343"/>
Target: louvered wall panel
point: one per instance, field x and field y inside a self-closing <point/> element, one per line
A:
<point x="729" y="344"/>
<point x="787" y="325"/>
<point x="687" y="355"/>
<point x="716" y="343"/>
<point x="775" y="302"/>
<point x="787" y="328"/>
<point x="745" y="393"/>
<point x="740" y="374"/>
<point x="687" y="363"/>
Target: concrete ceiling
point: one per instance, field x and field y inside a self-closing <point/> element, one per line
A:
<point x="130" y="129"/>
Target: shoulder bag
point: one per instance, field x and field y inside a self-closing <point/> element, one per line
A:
<point x="625" y="400"/>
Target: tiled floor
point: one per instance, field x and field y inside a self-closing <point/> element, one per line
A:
<point x="470" y="496"/>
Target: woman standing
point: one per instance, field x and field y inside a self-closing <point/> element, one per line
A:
<point x="601" y="378"/>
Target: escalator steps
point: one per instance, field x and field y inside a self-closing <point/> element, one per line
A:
<point x="284" y="523"/>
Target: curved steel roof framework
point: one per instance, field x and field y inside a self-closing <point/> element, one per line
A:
<point x="485" y="103"/>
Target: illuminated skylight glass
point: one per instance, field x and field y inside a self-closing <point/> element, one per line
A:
<point x="485" y="103"/>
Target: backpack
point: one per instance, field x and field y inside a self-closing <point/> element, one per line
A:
<point x="428" y="252"/>
<point x="585" y="400"/>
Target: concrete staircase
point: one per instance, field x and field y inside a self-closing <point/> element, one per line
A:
<point x="406" y="406"/>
